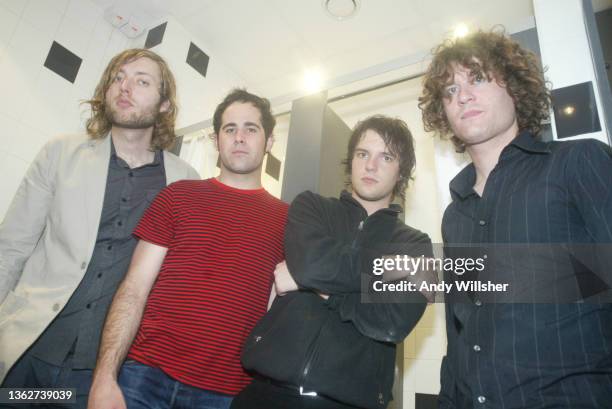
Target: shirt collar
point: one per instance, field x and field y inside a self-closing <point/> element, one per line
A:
<point x="347" y="197"/>
<point x="156" y="159"/>
<point x="528" y="143"/>
<point x="463" y="183"/>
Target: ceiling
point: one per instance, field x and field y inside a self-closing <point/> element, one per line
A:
<point x="269" y="43"/>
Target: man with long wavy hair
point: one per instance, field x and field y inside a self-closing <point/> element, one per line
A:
<point x="66" y="240"/>
<point x="544" y="346"/>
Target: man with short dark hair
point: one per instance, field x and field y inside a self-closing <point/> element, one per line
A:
<point x="199" y="280"/>
<point x="545" y="206"/>
<point x="321" y="345"/>
<point x="66" y="240"/>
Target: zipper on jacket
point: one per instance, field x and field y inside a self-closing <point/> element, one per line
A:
<point x="359" y="230"/>
<point x="311" y="355"/>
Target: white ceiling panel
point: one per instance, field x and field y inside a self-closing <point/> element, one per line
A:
<point x="269" y="43"/>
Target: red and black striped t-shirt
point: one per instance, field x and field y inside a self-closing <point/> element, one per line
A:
<point x="214" y="284"/>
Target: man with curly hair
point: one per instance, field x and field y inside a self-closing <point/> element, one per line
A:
<point x="489" y="94"/>
<point x="66" y="240"/>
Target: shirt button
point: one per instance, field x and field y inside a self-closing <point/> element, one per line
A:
<point x="477" y="348"/>
<point x="119" y="223"/>
<point x="123" y="199"/>
<point x="478" y="303"/>
<point x="88" y="306"/>
<point x="109" y="248"/>
<point x="56" y="307"/>
<point x="482" y="222"/>
<point x="131" y="174"/>
<point x="99" y="275"/>
<point x="481" y="399"/>
<point x="83" y="265"/>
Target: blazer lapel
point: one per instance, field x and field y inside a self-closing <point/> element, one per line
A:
<point x="95" y="175"/>
<point x="172" y="172"/>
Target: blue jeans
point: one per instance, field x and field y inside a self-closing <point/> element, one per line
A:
<point x="31" y="372"/>
<point x="145" y="387"/>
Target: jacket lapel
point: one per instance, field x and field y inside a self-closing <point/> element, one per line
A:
<point x="96" y="172"/>
<point x="172" y="172"/>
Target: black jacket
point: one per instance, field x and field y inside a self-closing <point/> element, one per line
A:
<point x="341" y="348"/>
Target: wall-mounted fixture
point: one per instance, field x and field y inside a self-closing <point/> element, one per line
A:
<point x="341" y="9"/>
<point x="575" y="110"/>
<point x="128" y="23"/>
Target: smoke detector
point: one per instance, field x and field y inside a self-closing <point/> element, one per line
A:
<point x="341" y="9"/>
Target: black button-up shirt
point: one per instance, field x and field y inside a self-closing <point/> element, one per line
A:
<point x="78" y="326"/>
<point x="532" y="355"/>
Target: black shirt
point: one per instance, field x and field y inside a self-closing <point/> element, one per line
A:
<point x="78" y="326"/>
<point x="529" y="355"/>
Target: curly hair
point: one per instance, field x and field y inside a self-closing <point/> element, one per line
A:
<point x="243" y="96"/>
<point x="98" y="125"/>
<point x="492" y="55"/>
<point x="397" y="138"/>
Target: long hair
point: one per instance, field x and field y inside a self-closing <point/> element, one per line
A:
<point x="491" y="55"/>
<point x="98" y="125"/>
<point x="397" y="137"/>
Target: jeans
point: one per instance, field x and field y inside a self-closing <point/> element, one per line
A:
<point x="31" y="372"/>
<point x="146" y="387"/>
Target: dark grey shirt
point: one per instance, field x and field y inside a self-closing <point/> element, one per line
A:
<point x="78" y="326"/>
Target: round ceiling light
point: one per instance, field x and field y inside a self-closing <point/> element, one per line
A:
<point x="341" y="9"/>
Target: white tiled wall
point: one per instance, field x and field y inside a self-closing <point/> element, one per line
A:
<point x="423" y="352"/>
<point x="198" y="96"/>
<point x="37" y="104"/>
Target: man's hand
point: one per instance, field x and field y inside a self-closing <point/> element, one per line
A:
<point x="283" y="282"/>
<point x="105" y="394"/>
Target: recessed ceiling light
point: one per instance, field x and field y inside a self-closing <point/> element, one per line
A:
<point x="312" y="81"/>
<point x="341" y="9"/>
<point x="461" y="30"/>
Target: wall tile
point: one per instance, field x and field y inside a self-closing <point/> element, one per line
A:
<point x="116" y="43"/>
<point x="59" y="5"/>
<point x="16" y="91"/>
<point x="410" y="345"/>
<point x="410" y="375"/>
<point x="8" y="24"/>
<point x="29" y="46"/>
<point x="47" y="103"/>
<point x="14" y="6"/>
<point x="430" y="343"/>
<point x="74" y="36"/>
<point x="433" y="316"/>
<point x="427" y="379"/>
<point x="43" y="16"/>
<point x="63" y="62"/>
<point x="9" y="137"/>
<point x="84" y="12"/>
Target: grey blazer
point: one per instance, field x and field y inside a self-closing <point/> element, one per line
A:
<point x="48" y="235"/>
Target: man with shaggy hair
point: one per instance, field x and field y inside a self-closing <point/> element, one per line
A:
<point x="322" y="345"/>
<point x="545" y="346"/>
<point x="66" y="240"/>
